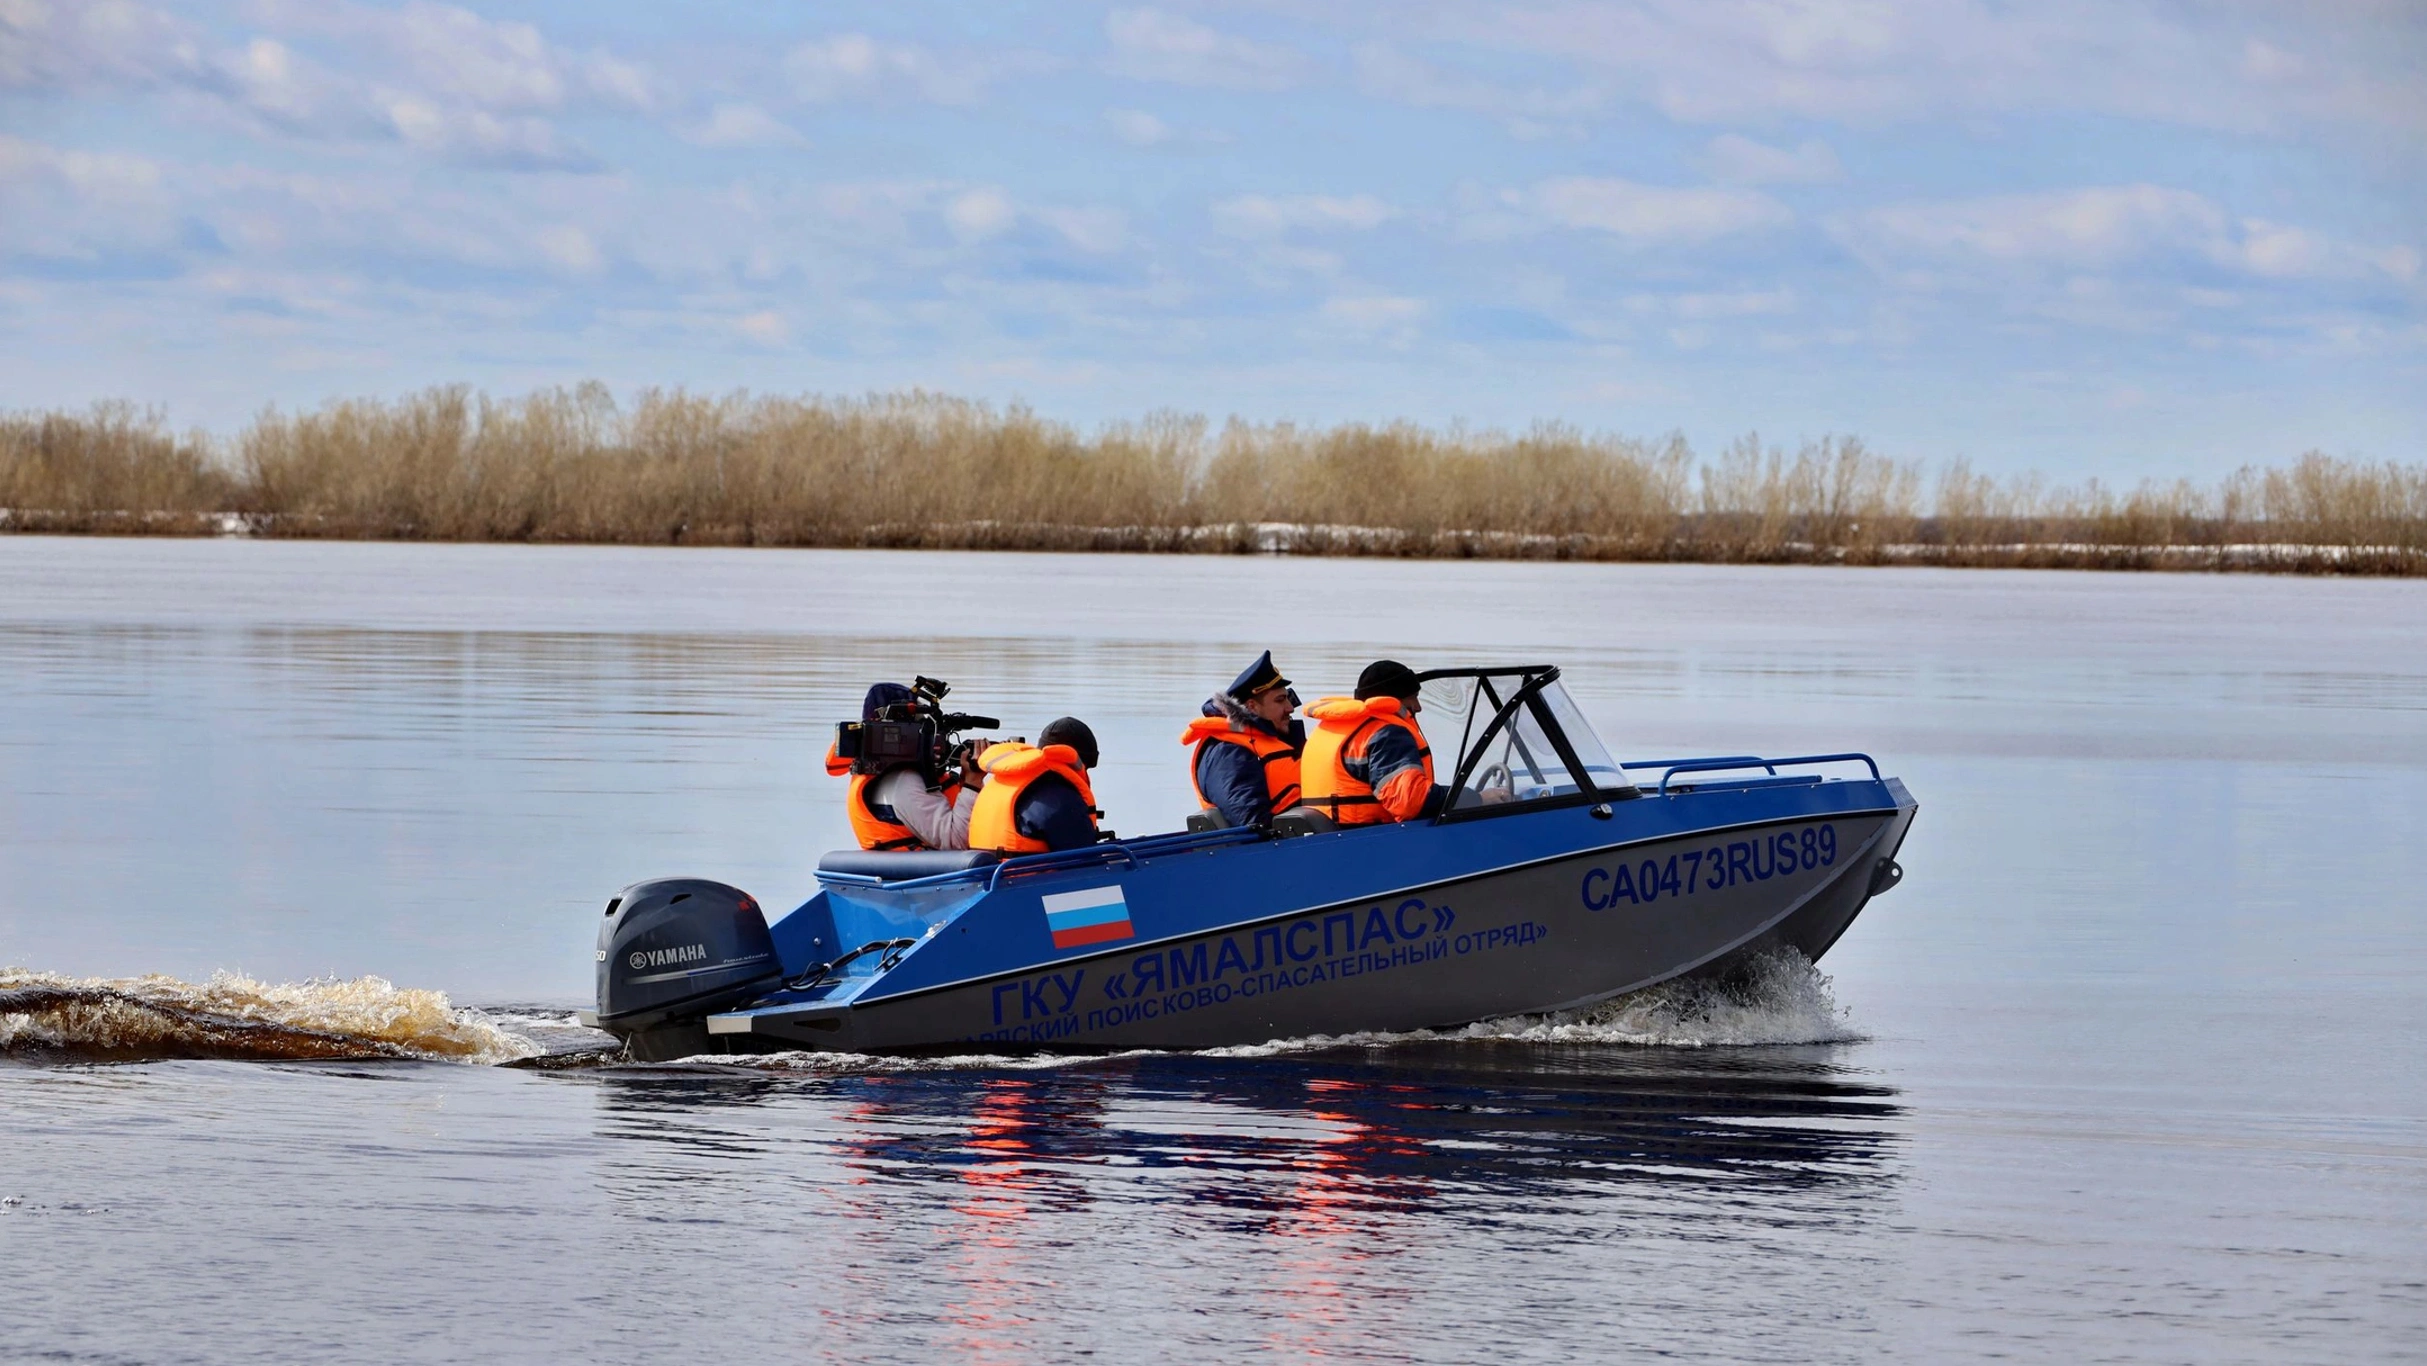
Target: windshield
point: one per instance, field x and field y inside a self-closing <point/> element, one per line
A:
<point x="1518" y="763"/>
<point x="1448" y="719"/>
<point x="1600" y="770"/>
<point x="1517" y="758"/>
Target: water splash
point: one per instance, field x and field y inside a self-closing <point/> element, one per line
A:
<point x="49" y="1016"/>
<point x="1776" y="997"/>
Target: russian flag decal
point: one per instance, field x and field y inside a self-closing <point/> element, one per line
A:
<point x="1096" y="916"/>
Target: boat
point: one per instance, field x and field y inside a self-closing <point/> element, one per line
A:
<point x="1551" y="878"/>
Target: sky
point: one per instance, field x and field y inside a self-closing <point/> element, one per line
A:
<point x="2103" y="238"/>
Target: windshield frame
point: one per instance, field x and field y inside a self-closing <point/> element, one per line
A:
<point x="1526" y="696"/>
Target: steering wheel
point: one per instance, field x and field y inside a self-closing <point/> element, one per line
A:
<point x="1495" y="776"/>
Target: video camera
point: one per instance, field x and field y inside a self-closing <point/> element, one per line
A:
<point x="918" y="732"/>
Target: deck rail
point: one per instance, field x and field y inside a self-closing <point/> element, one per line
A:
<point x="1670" y="768"/>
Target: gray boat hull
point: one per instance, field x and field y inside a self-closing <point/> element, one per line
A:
<point x="1555" y="934"/>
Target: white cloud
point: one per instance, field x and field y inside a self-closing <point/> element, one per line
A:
<point x="766" y="327"/>
<point x="47" y="44"/>
<point x="1866" y="61"/>
<point x="974" y="215"/>
<point x="494" y="65"/>
<point x="856" y="66"/>
<point x="2276" y="251"/>
<point x="479" y="138"/>
<point x="2106" y="227"/>
<point x="436" y="78"/>
<point x="1385" y="72"/>
<point x="2093" y="227"/>
<point x="74" y="205"/>
<point x="453" y="55"/>
<point x="981" y="213"/>
<point x="2264" y="61"/>
<point x="1150" y="45"/>
<point x="101" y="177"/>
<point x="1373" y="310"/>
<point x="1392" y="319"/>
<point x="742" y="125"/>
<point x="617" y="81"/>
<point x="1742" y="161"/>
<point x="1648" y="214"/>
<point x="1744" y="303"/>
<point x="571" y="248"/>
<point x="1097" y="230"/>
<point x="1137" y="127"/>
<point x="1255" y="215"/>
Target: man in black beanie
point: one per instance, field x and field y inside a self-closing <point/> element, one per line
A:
<point x="1038" y="797"/>
<point x="1367" y="761"/>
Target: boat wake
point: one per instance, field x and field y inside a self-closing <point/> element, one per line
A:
<point x="54" y="1018"/>
<point x="1778" y="998"/>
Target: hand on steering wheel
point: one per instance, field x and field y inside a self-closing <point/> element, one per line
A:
<point x="1495" y="784"/>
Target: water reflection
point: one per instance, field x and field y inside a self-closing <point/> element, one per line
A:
<point x="1295" y="1142"/>
<point x="1319" y="1195"/>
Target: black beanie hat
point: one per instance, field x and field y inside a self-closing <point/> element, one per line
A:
<point x="1386" y="678"/>
<point x="881" y="696"/>
<point x="1071" y="731"/>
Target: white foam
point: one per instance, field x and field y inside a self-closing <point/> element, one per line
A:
<point x="233" y="1016"/>
<point x="1773" y="999"/>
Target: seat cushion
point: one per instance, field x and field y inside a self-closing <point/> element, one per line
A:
<point x="902" y="865"/>
<point x="1301" y="820"/>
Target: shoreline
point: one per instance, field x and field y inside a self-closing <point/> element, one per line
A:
<point x="921" y="471"/>
<point x="1307" y="541"/>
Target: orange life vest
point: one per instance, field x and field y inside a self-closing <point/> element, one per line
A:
<point x="1278" y="756"/>
<point x="1346" y="727"/>
<point x="874" y="831"/>
<point x="1010" y="768"/>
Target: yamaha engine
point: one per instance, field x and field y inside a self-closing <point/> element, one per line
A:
<point x="673" y="952"/>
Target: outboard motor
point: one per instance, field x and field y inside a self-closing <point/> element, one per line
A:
<point x="673" y="952"/>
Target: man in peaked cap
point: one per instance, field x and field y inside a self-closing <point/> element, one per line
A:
<point x="1244" y="748"/>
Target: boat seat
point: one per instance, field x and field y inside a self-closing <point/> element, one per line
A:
<point x="1207" y="820"/>
<point x="1301" y="821"/>
<point x="900" y="865"/>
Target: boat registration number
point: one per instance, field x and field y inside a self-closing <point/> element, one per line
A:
<point x="1730" y="863"/>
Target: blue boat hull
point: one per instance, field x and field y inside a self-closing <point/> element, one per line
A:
<point x="1223" y="940"/>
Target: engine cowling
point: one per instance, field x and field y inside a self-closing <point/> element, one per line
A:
<point x="680" y="948"/>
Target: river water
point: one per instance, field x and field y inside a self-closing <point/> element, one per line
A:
<point x="2131" y="1067"/>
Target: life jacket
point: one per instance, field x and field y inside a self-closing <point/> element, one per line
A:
<point x="1278" y="756"/>
<point x="1336" y="774"/>
<point x="876" y="827"/>
<point x="1010" y="768"/>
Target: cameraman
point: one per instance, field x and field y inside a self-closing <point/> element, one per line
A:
<point x="900" y="805"/>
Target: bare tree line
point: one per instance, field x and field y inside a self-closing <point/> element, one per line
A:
<point x="923" y="470"/>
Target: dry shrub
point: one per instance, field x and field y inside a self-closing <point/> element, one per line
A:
<point x="68" y="471"/>
<point x="2325" y="501"/>
<point x="1834" y="499"/>
<point x="921" y="469"/>
<point x="1553" y="490"/>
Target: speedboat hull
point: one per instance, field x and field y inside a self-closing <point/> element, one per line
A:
<point x="1224" y="940"/>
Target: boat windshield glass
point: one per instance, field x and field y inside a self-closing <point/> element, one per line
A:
<point x="1517" y="764"/>
<point x="1600" y="770"/>
<point x="1448" y="718"/>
